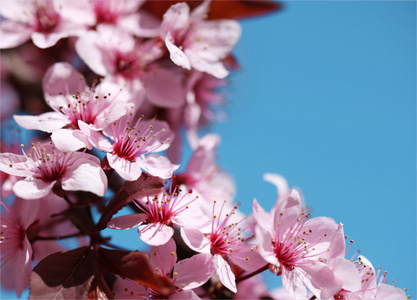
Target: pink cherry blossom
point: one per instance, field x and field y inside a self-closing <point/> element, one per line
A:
<point x="16" y="251"/>
<point x="133" y="146"/>
<point x="296" y="248"/>
<point x="185" y="275"/>
<point x="46" y="168"/>
<point x="223" y="238"/>
<point x="123" y="14"/>
<point x="160" y="214"/>
<point x="194" y="42"/>
<point x="204" y="175"/>
<point x="67" y="93"/>
<point x="118" y="56"/>
<point x="37" y="20"/>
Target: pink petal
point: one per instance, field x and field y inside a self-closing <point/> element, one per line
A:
<point x="92" y="55"/>
<point x="46" y="40"/>
<point x="48" y="122"/>
<point x="345" y="271"/>
<point x="157" y="165"/>
<point x="337" y="245"/>
<point x="389" y="292"/>
<point x="163" y="257"/>
<point x="15" y="164"/>
<point x="195" y="239"/>
<point x="13" y="34"/>
<point x="225" y="274"/>
<point x="177" y="56"/>
<point x="175" y="18"/>
<point x="195" y="271"/>
<point x="255" y="260"/>
<point x="216" y="69"/>
<point x="279" y="181"/>
<point x="140" y="24"/>
<point x="263" y="219"/>
<point x="62" y="78"/>
<point x="32" y="188"/>
<point x="155" y="234"/>
<point x="127" y="222"/>
<point x="294" y="285"/>
<point x="70" y="140"/>
<point x="173" y="93"/>
<point x="185" y="294"/>
<point x="85" y="174"/>
<point x="126" y="169"/>
<point x="95" y="138"/>
<point x="319" y="279"/>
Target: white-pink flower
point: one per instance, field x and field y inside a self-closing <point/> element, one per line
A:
<point x="133" y="145"/>
<point x="122" y="14"/>
<point x="67" y="93"/>
<point x="223" y="238"/>
<point x="160" y="214"/>
<point x="45" y="168"/>
<point x="15" y="248"/>
<point x="297" y="248"/>
<point x="195" y="43"/>
<point x="185" y="275"/>
<point x="37" y="20"/>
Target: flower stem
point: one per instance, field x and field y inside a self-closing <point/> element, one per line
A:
<point x="260" y="270"/>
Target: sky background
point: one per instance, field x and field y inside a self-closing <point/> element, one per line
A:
<point x="326" y="97"/>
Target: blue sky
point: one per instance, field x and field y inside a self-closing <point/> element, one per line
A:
<point x="326" y="97"/>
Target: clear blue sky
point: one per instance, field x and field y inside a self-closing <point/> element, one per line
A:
<point x="327" y="98"/>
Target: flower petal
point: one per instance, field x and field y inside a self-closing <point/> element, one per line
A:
<point x="127" y="222"/>
<point x="157" y="165"/>
<point x="225" y="274"/>
<point x="126" y="169"/>
<point x="32" y="188"/>
<point x="194" y="271"/>
<point x="155" y="234"/>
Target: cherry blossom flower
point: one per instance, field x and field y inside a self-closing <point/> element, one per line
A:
<point x="204" y="175"/>
<point x="185" y="275"/>
<point x="120" y="58"/>
<point x="223" y="239"/>
<point x="67" y="93"/>
<point x="296" y="248"/>
<point x="133" y="146"/>
<point x="122" y="14"/>
<point x="194" y="42"/>
<point x="37" y="20"/>
<point x="46" y="168"/>
<point x="160" y="214"/>
<point x="16" y="251"/>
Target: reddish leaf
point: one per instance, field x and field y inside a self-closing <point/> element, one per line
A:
<point x="64" y="275"/>
<point x="80" y="218"/>
<point x="133" y="265"/>
<point x="146" y="185"/>
<point x="220" y="9"/>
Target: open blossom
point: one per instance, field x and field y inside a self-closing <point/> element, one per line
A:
<point x="196" y="43"/>
<point x="223" y="239"/>
<point x="185" y="275"/>
<point x="133" y="145"/>
<point x="46" y="168"/>
<point x="67" y="93"/>
<point x="37" y="20"/>
<point x="123" y="14"/>
<point x="16" y="251"/>
<point x="160" y="214"/>
<point x="296" y="248"/>
<point x="204" y="175"/>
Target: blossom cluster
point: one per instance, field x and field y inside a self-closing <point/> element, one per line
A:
<point x="121" y="81"/>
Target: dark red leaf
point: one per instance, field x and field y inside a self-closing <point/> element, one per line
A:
<point x="80" y="218"/>
<point x="220" y="9"/>
<point x="64" y="275"/>
<point x="146" y="185"/>
<point x="133" y="265"/>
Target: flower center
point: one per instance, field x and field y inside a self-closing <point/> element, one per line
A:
<point x="46" y="18"/>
